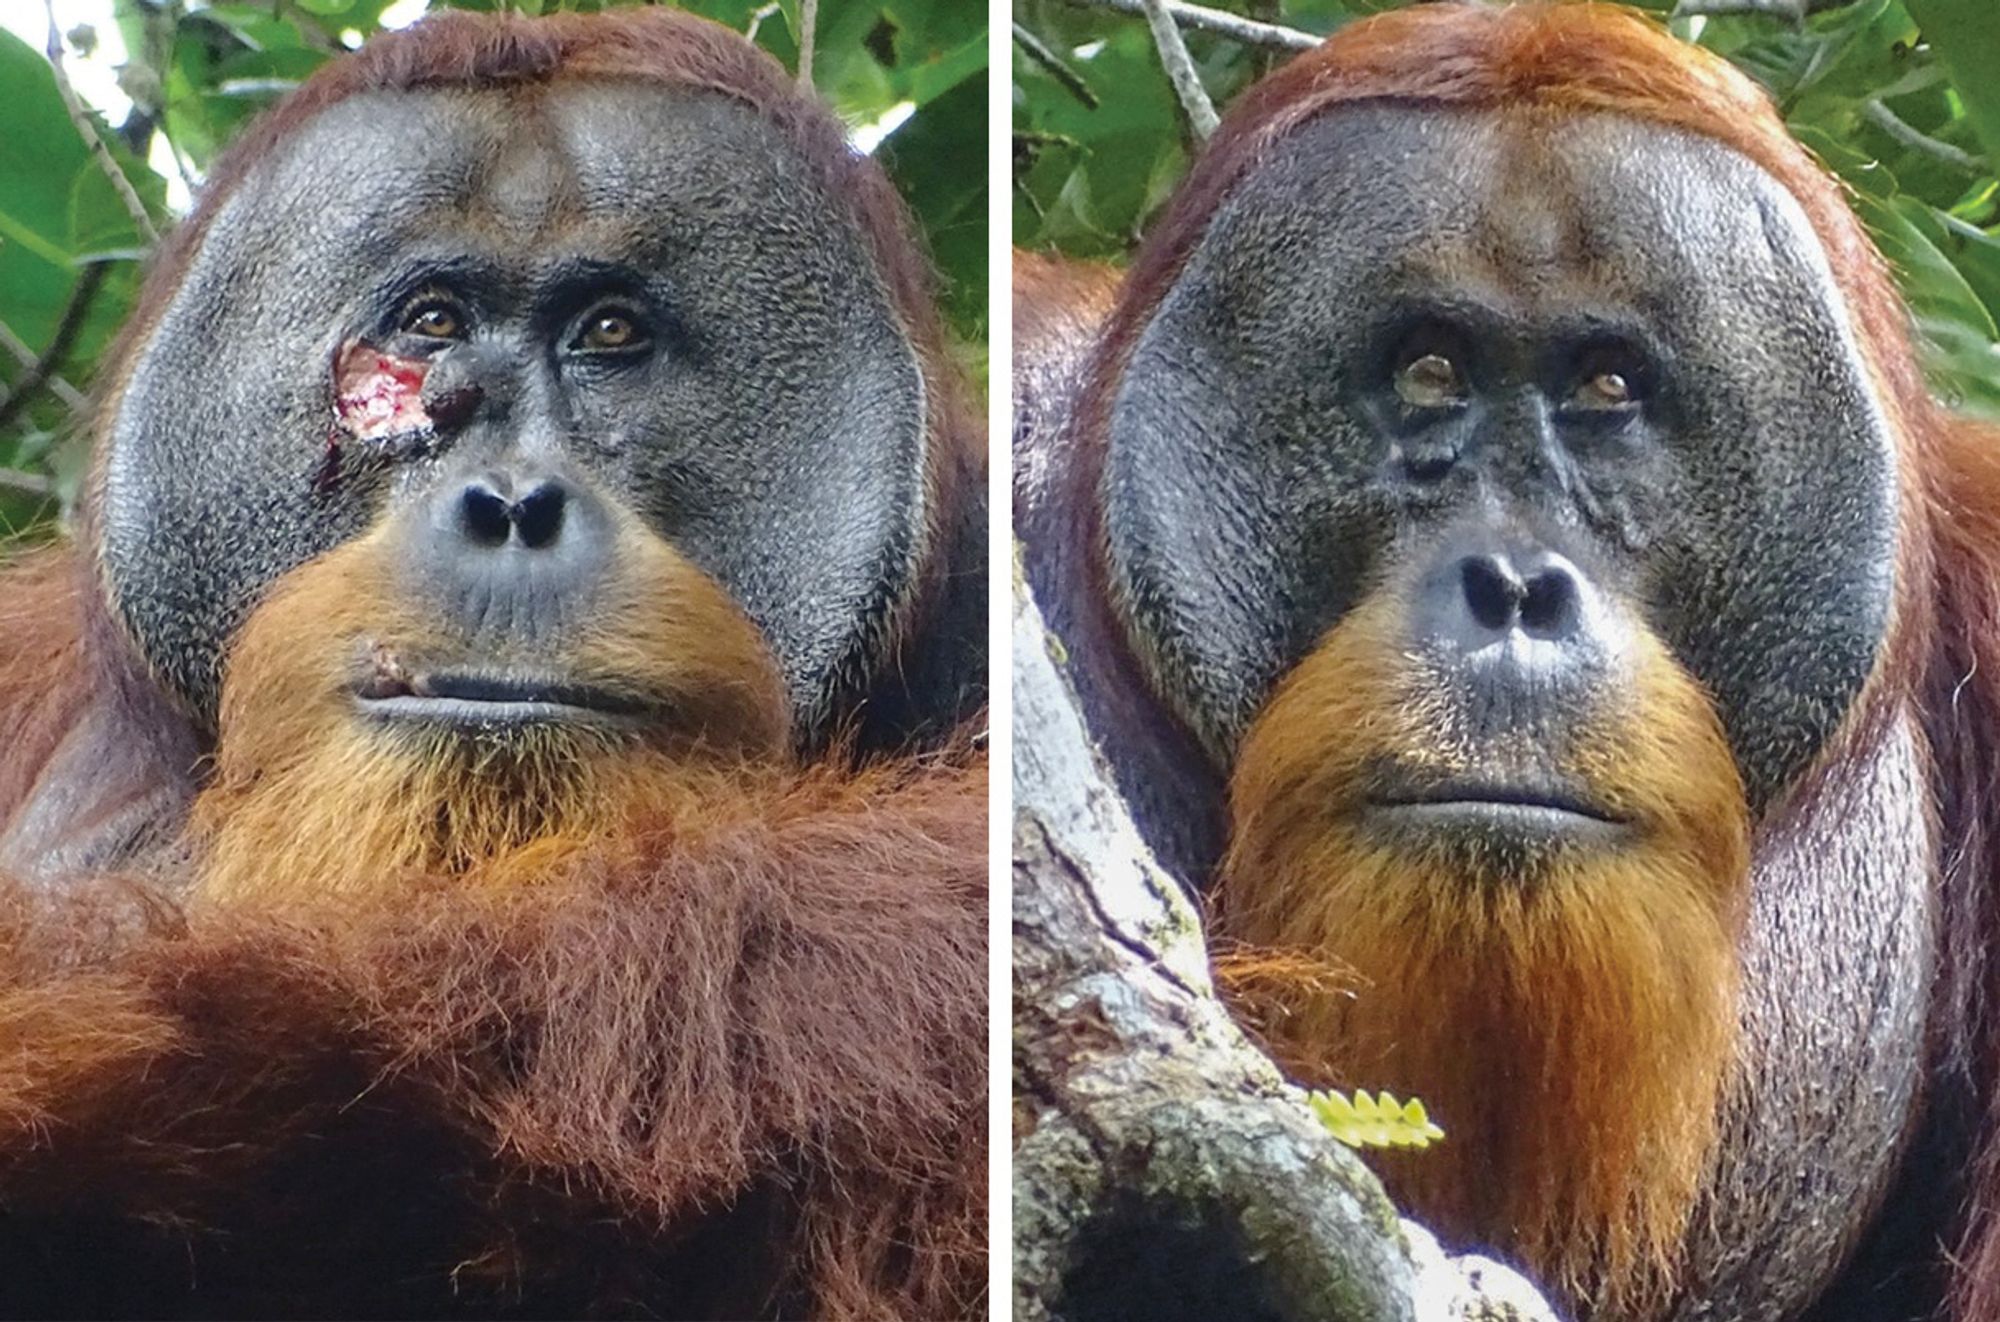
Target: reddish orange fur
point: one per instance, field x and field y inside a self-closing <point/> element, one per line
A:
<point x="1059" y="303"/>
<point x="43" y="672"/>
<point x="782" y="984"/>
<point x="81" y="739"/>
<point x="1962" y="696"/>
<point x="1058" y="306"/>
<point x="1569" y="1020"/>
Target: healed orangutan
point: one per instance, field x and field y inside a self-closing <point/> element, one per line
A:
<point x="491" y="804"/>
<point x="1513" y="564"/>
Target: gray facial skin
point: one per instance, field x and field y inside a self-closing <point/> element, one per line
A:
<point x="771" y="429"/>
<point x="1263" y="470"/>
<point x="1264" y="475"/>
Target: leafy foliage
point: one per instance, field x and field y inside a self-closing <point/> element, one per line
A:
<point x="1380" y="1121"/>
<point x="1899" y="97"/>
<point x="198" y="72"/>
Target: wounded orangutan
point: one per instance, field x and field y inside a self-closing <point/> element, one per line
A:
<point x="492" y="808"/>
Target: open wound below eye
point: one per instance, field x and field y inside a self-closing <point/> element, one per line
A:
<point x="377" y="395"/>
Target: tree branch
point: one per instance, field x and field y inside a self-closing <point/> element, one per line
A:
<point x="1203" y="19"/>
<point x="33" y="485"/>
<point x="808" y="21"/>
<point x="91" y="141"/>
<point x="1790" y="10"/>
<point x="81" y="295"/>
<point x="1072" y="81"/>
<point x="1174" y="58"/>
<point x="1902" y="131"/>
<point x="18" y="350"/>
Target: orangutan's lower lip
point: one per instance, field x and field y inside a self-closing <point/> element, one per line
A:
<point x="1459" y="796"/>
<point x="1499" y="815"/>
<point x="1545" y="811"/>
<point x="485" y="700"/>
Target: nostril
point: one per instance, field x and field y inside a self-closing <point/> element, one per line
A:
<point x="484" y="516"/>
<point x="539" y="515"/>
<point x="1492" y="591"/>
<point x="1551" y="605"/>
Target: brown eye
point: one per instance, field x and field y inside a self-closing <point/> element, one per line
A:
<point x="1602" y="390"/>
<point x="1430" y="381"/>
<point x="610" y="331"/>
<point x="434" y="320"/>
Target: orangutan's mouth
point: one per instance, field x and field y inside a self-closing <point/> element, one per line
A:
<point x="485" y="699"/>
<point x="1544" y="798"/>
<point x="1490" y="807"/>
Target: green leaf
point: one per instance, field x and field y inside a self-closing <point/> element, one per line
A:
<point x="99" y="221"/>
<point x="1965" y="36"/>
<point x="43" y="166"/>
<point x="1098" y="205"/>
<point x="937" y="159"/>
<point x="1973" y="251"/>
<point x="57" y="208"/>
<point x="1374" y="1122"/>
<point x="1957" y="327"/>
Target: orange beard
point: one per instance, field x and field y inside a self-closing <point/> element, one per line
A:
<point x="310" y="799"/>
<point x="1568" y="1017"/>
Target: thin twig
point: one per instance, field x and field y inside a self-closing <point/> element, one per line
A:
<point x="1796" y="11"/>
<point x="1910" y="136"/>
<point x="30" y="484"/>
<point x="98" y="151"/>
<point x="1792" y="10"/>
<point x="1201" y="18"/>
<point x="1180" y="69"/>
<point x="81" y="294"/>
<point x="18" y="349"/>
<point x="311" y="34"/>
<point x="184" y="166"/>
<point x="808" y="20"/>
<point x="1072" y="81"/>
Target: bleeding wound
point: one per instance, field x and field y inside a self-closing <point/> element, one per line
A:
<point x="377" y="396"/>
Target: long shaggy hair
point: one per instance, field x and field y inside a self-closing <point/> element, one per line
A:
<point x="730" y="1063"/>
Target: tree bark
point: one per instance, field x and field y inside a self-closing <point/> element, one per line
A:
<point x="1163" y="1167"/>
